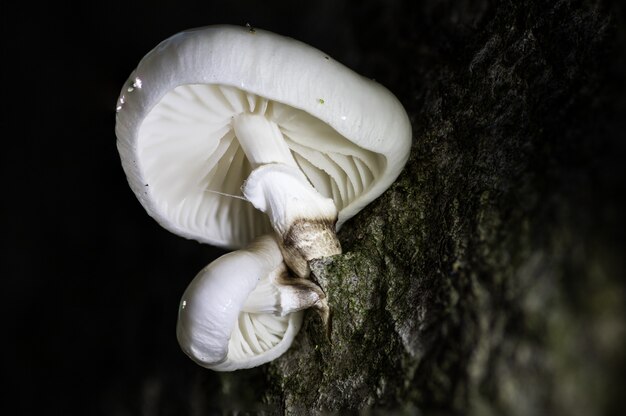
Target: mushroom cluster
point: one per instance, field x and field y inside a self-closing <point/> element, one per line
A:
<point x="239" y="137"/>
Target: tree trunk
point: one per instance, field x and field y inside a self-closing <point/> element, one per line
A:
<point x="489" y="278"/>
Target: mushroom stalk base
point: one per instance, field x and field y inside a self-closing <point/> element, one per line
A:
<point x="303" y="219"/>
<point x="282" y="294"/>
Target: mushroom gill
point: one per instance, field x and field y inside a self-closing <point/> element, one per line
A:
<point x="192" y="160"/>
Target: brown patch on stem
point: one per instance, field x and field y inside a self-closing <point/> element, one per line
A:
<point x="309" y="239"/>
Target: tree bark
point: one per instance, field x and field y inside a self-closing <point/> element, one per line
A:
<point x="489" y="278"/>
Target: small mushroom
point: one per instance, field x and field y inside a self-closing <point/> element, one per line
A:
<point x="214" y="109"/>
<point x="243" y="309"/>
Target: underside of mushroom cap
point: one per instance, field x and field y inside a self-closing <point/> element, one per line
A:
<point x="349" y="135"/>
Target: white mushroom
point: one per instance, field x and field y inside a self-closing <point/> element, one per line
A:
<point x="212" y="109"/>
<point x="227" y="134"/>
<point x="243" y="309"/>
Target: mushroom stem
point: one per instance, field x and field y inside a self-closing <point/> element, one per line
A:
<point x="261" y="140"/>
<point x="303" y="218"/>
<point x="306" y="294"/>
<point x="282" y="294"/>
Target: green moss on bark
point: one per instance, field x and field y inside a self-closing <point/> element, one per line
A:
<point x="487" y="279"/>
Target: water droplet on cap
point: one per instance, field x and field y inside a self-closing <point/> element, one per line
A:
<point x="135" y="84"/>
<point x="120" y="104"/>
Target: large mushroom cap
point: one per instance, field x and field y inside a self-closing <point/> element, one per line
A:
<point x="349" y="135"/>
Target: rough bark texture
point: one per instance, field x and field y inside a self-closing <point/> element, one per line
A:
<point x="489" y="278"/>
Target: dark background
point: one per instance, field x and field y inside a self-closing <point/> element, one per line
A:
<point x="92" y="283"/>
